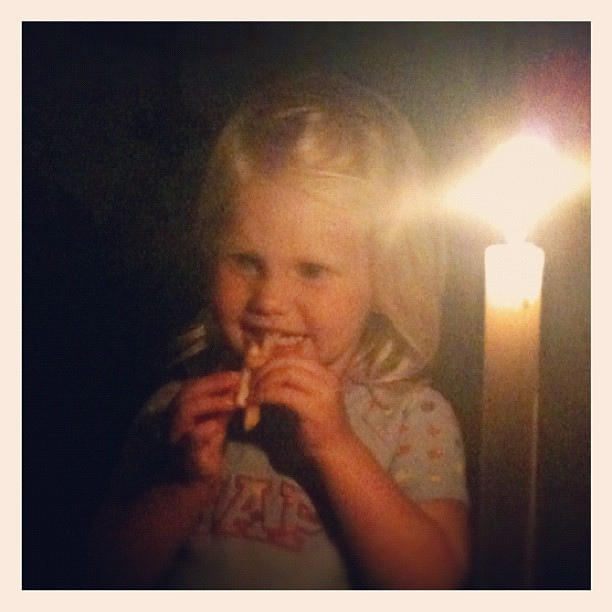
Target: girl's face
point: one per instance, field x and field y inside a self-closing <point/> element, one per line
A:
<point x="296" y="267"/>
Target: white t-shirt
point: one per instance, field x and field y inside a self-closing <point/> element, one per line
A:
<point x="266" y="531"/>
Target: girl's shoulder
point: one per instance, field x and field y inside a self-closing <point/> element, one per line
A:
<point x="423" y="397"/>
<point x="405" y="397"/>
<point x="425" y="408"/>
<point x="162" y="398"/>
<point x="393" y="412"/>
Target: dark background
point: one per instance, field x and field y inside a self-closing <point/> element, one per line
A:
<point x="117" y="118"/>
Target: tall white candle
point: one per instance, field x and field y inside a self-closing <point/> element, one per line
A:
<point x="508" y="447"/>
<point x="511" y="190"/>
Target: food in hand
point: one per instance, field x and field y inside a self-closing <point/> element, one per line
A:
<point x="272" y="344"/>
<point x="255" y="357"/>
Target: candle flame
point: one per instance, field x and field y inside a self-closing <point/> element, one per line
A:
<point x="518" y="184"/>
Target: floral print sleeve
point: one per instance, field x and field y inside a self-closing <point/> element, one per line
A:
<point x="429" y="461"/>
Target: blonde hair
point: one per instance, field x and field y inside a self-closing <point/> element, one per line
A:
<point x="343" y="143"/>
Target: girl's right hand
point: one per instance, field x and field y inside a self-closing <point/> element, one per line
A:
<point x="202" y="410"/>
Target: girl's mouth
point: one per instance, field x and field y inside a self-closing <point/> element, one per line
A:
<point x="280" y="339"/>
<point x="277" y="340"/>
<point x="254" y="333"/>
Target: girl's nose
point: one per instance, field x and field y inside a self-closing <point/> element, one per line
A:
<point x="270" y="296"/>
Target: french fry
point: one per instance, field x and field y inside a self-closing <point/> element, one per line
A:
<point x="243" y="388"/>
<point x="252" y="415"/>
<point x="255" y="357"/>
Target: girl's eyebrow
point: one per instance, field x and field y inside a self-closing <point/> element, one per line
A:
<point x="234" y="242"/>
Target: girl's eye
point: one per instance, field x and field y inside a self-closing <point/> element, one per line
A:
<point x="311" y="271"/>
<point x="247" y="263"/>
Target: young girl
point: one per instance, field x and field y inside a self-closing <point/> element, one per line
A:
<point x="321" y="249"/>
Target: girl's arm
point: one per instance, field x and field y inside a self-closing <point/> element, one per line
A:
<point x="133" y="544"/>
<point x="170" y="471"/>
<point x="399" y="544"/>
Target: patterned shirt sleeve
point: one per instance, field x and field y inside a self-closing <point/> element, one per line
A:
<point x="429" y="461"/>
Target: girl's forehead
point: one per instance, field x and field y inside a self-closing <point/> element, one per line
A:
<point x="266" y="213"/>
<point x="285" y="203"/>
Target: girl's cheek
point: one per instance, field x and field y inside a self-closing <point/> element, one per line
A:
<point x="230" y="297"/>
<point x="229" y="286"/>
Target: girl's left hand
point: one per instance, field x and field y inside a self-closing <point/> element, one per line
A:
<point x="311" y="391"/>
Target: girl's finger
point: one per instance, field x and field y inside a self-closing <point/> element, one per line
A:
<point x="215" y="384"/>
<point x="301" y="373"/>
<point x="284" y="395"/>
<point x="195" y="409"/>
<point x="188" y="422"/>
<point x="281" y="378"/>
<point x="293" y="385"/>
<point x="198" y="407"/>
<point x="292" y="361"/>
